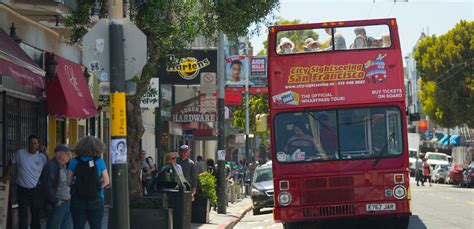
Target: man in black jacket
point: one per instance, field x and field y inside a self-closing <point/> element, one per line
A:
<point x="53" y="183"/>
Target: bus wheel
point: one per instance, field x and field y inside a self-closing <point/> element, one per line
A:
<point x="401" y="222"/>
<point x="293" y="225"/>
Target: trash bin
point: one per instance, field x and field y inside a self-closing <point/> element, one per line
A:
<point x="179" y="195"/>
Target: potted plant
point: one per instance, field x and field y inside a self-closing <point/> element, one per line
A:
<point x="205" y="196"/>
<point x="148" y="211"/>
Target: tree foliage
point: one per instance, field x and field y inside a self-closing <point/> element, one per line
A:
<point x="445" y="64"/>
<point x="170" y="27"/>
<point x="258" y="104"/>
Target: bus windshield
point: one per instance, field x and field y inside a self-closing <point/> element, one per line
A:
<point x="340" y="134"/>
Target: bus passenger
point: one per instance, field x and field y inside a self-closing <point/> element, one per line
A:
<point x="339" y="40"/>
<point x="386" y="42"/>
<point x="286" y="46"/>
<point x="373" y="43"/>
<point x="360" y="41"/>
<point x="310" y="45"/>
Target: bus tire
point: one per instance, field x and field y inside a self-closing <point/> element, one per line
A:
<point x="401" y="222"/>
<point x="292" y="225"/>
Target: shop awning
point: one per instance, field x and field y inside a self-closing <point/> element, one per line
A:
<point x="68" y="94"/>
<point x="454" y="140"/>
<point x="16" y="64"/>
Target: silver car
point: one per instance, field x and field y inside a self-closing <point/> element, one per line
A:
<point x="439" y="173"/>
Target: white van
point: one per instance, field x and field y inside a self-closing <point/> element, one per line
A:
<point x="413" y="153"/>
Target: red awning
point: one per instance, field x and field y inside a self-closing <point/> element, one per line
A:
<point x="16" y="64"/>
<point x="68" y="94"/>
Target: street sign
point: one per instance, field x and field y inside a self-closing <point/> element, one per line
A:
<point x="104" y="88"/>
<point x="208" y="83"/>
<point x="135" y="49"/>
<point x="208" y="103"/>
<point x="95" y="51"/>
<point x="150" y="100"/>
<point x="104" y="100"/>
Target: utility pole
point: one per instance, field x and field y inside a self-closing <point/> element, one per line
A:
<point x="247" y="122"/>
<point x="222" y="197"/>
<point x="120" y="208"/>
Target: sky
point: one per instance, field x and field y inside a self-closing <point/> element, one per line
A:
<point x="413" y="16"/>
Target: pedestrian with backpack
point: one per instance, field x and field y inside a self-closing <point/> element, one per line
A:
<point x="88" y="177"/>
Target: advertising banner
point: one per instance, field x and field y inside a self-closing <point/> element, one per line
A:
<point x="235" y="68"/>
<point x="258" y="71"/>
<point x="238" y="66"/>
<point x="353" y="79"/>
<point x="185" y="70"/>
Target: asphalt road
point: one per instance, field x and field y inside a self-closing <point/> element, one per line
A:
<point x="437" y="207"/>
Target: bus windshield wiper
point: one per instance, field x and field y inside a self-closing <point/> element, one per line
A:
<point x="385" y="148"/>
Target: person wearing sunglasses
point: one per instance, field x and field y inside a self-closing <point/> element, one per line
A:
<point x="169" y="159"/>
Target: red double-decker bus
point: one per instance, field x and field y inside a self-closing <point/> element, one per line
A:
<point x="339" y="129"/>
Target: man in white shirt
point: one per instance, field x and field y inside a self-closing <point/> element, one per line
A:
<point x="28" y="163"/>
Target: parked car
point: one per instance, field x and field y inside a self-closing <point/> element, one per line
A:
<point x="412" y="159"/>
<point x="454" y="174"/>
<point x="468" y="176"/>
<point x="436" y="159"/>
<point x="439" y="173"/>
<point x="262" y="188"/>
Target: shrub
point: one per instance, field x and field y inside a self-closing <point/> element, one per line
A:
<point x="207" y="187"/>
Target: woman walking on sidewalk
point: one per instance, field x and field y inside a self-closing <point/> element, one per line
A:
<point x="426" y="171"/>
<point x="88" y="177"/>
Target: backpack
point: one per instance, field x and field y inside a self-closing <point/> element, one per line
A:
<point x="87" y="182"/>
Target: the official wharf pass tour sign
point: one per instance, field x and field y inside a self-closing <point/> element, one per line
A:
<point x="238" y="66"/>
<point x="190" y="111"/>
<point x="186" y="69"/>
<point x="354" y="79"/>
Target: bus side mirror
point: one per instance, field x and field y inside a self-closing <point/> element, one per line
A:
<point x="414" y="117"/>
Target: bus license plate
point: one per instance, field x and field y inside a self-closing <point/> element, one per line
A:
<point x="380" y="207"/>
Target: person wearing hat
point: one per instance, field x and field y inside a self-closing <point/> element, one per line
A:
<point x="286" y="46"/>
<point x="188" y="166"/>
<point x="55" y="190"/>
<point x="360" y="41"/>
<point x="310" y="45"/>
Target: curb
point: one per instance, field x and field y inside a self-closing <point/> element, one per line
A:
<point x="237" y="217"/>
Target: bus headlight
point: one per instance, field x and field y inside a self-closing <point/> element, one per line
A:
<point x="399" y="192"/>
<point x="284" y="198"/>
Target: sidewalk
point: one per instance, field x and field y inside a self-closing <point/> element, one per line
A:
<point x="235" y="212"/>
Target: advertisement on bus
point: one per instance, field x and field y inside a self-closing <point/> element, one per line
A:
<point x="354" y="79"/>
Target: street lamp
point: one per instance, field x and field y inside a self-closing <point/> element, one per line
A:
<point x="51" y="68"/>
<point x="13" y="34"/>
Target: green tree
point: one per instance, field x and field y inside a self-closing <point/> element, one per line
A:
<point x="170" y="27"/>
<point x="447" y="77"/>
<point x="258" y="104"/>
